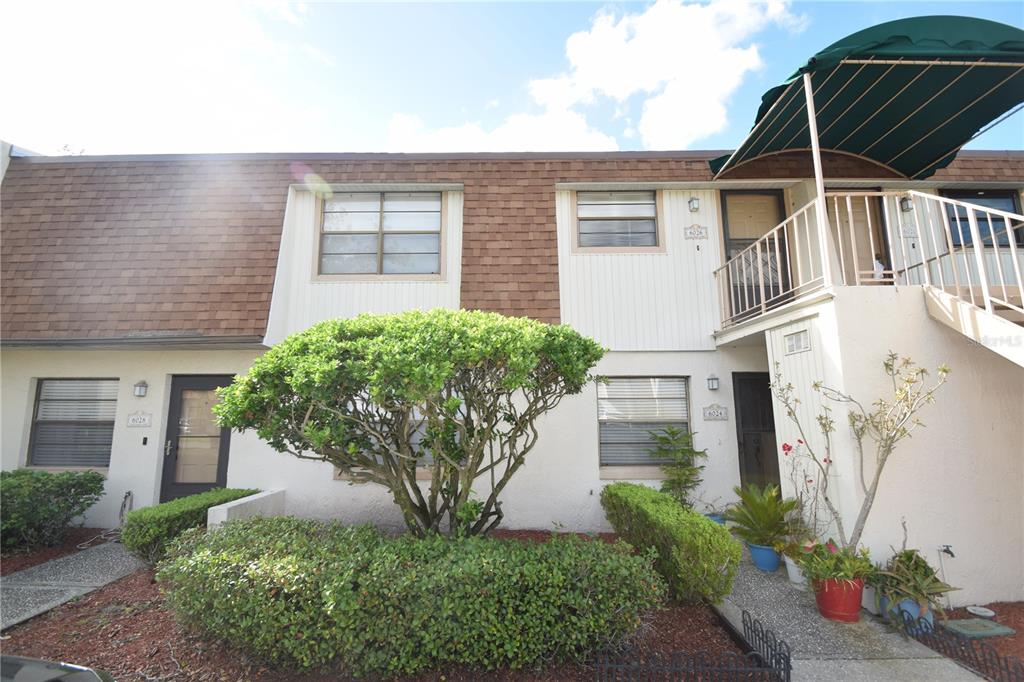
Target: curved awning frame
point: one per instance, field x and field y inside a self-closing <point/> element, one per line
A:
<point x="909" y="115"/>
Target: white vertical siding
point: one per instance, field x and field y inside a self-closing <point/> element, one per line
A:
<point x="299" y="301"/>
<point x="645" y="301"/>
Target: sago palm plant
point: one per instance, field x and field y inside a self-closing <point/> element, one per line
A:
<point x="762" y="517"/>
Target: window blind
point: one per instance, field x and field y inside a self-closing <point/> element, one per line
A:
<point x="73" y="423"/>
<point x="613" y="219"/>
<point x="628" y="409"/>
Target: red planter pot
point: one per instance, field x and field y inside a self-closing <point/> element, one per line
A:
<point x="839" y="599"/>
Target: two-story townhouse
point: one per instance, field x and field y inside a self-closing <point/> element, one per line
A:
<point x="133" y="286"/>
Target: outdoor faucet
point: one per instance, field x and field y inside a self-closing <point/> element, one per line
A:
<point x="948" y="549"/>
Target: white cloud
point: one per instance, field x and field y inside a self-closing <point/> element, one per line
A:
<point x="684" y="61"/>
<point x="128" y="77"/>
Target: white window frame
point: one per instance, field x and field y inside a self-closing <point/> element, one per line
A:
<point x="439" y="276"/>
<point x="30" y="460"/>
<point x="659" y="226"/>
<point x="640" y="471"/>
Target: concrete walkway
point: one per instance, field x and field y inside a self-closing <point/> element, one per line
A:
<point x="826" y="650"/>
<point x="38" y="589"/>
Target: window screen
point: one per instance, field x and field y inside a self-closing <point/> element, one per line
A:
<point x="73" y="423"/>
<point x="623" y="219"/>
<point x="628" y="409"/>
<point x="384" y="233"/>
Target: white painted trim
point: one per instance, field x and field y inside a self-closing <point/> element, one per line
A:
<point x="266" y="503"/>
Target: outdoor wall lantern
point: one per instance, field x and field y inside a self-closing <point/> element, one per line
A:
<point x="712" y="383"/>
<point x="140" y="389"/>
<point x="694" y="204"/>
<point x="906" y="204"/>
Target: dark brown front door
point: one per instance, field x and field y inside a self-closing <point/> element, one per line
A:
<point x="755" y="428"/>
<point x="195" y="447"/>
<point x="747" y="216"/>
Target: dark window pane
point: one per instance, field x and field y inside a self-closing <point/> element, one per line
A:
<point x="630" y="443"/>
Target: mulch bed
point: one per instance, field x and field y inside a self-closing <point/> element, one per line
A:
<point x="15" y="560"/>
<point x="126" y="629"/>
<point x="1010" y="614"/>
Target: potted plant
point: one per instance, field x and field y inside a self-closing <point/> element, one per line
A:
<point x="762" y="519"/>
<point x="715" y="510"/>
<point x="837" y="576"/>
<point x="792" y="555"/>
<point x="907" y="591"/>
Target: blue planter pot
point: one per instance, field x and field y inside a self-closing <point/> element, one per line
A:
<point x="765" y="558"/>
<point x="717" y="518"/>
<point x="908" y="608"/>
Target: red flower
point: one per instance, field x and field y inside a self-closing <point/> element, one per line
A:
<point x="799" y="441"/>
<point x="832" y="547"/>
<point x="810" y="480"/>
<point x="786" y="447"/>
<point x="827" y="460"/>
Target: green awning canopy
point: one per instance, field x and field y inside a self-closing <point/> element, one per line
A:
<point x="906" y="94"/>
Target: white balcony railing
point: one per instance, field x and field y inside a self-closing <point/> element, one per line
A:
<point x="880" y="239"/>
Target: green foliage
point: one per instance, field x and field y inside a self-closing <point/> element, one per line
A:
<point x="147" y="531"/>
<point x="762" y="517"/>
<point x="310" y="594"/>
<point x="828" y="560"/>
<point x="696" y="556"/>
<point x="908" y="575"/>
<point x="457" y="391"/>
<point x="683" y="473"/>
<point x="37" y="507"/>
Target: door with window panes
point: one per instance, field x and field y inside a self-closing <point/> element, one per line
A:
<point x="196" y="447"/>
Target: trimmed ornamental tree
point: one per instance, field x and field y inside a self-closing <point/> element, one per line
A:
<point x="379" y="396"/>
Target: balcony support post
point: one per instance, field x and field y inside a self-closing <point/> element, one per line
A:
<point x="819" y="184"/>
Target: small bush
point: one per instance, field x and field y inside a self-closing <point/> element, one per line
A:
<point x="147" y="531"/>
<point x="39" y="506"/>
<point x="697" y="556"/>
<point x="311" y="594"/>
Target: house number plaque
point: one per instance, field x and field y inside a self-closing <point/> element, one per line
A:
<point x="695" y="231"/>
<point x="140" y="419"/>
<point x="716" y="413"/>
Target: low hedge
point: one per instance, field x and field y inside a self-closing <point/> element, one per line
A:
<point x="697" y="556"/>
<point x="312" y="594"/>
<point x="37" y="507"/>
<point x="147" y="531"/>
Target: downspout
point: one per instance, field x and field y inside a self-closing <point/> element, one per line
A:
<point x="819" y="185"/>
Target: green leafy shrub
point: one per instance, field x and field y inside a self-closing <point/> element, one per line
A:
<point x="908" y="575"/>
<point x="313" y="594"/>
<point x="37" y="507"/>
<point x="147" y="531"/>
<point x="380" y="397"/>
<point x="682" y="473"/>
<point x="762" y="517"/>
<point x="697" y="556"/>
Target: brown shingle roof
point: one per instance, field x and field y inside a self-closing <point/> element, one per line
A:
<point x="186" y="246"/>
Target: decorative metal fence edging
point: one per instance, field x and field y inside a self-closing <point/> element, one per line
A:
<point x="768" y="661"/>
<point x="977" y="655"/>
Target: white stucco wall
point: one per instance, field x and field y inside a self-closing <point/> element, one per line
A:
<point x="957" y="481"/>
<point x="133" y="466"/>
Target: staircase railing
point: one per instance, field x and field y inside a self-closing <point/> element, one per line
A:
<point x="973" y="252"/>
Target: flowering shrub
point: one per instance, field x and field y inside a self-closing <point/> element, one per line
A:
<point x="828" y="560"/>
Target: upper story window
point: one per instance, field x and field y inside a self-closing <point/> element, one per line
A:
<point x="73" y="423"/>
<point x="617" y="219"/>
<point x="381" y="233"/>
<point x="630" y="408"/>
<point x="959" y="223"/>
